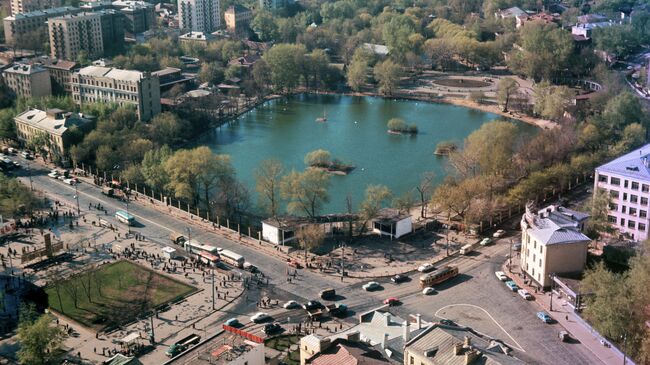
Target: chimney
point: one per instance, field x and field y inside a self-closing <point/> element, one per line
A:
<point x="418" y="320"/>
<point x="472" y="355"/>
<point x="384" y="341"/>
<point x="468" y="341"/>
<point x="406" y="335"/>
<point x="458" y="348"/>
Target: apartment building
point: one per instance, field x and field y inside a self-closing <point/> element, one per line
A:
<point x="274" y="4"/>
<point x="26" y="6"/>
<point x="71" y="34"/>
<point x="35" y="21"/>
<point x="124" y="87"/>
<point x="60" y="74"/>
<point x="140" y="15"/>
<point x="54" y="123"/>
<point x="552" y="243"/>
<point x="627" y="180"/>
<point x="28" y="81"/>
<point x="238" y="19"/>
<point x="199" y="15"/>
<point x="113" y="27"/>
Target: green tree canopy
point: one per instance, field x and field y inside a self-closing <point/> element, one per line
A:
<point x="306" y="191"/>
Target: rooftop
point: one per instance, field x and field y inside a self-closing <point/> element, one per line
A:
<point x="635" y="164"/>
<point x="53" y="121"/>
<point x="196" y="35"/>
<point x="57" y="64"/>
<point x="555" y="225"/>
<point x="111" y="73"/>
<point x="231" y="349"/>
<point x="390" y="215"/>
<point x="24" y="69"/>
<point x="45" y="12"/>
<point x="377" y="49"/>
<point x="166" y="71"/>
<point x="511" y="12"/>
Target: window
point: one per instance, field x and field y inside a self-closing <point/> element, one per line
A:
<point x="644" y="201"/>
<point x="602" y="178"/>
<point x="540" y="262"/>
<point x="625" y="196"/>
<point x="622" y="222"/>
<point x="643" y="213"/>
<point x="641" y="227"/>
<point x="623" y="208"/>
<point x="613" y="206"/>
<point x="412" y="360"/>
<point x="635" y="185"/>
<point x="625" y="183"/>
<point x="534" y="257"/>
<point x="611" y="219"/>
<point x="632" y="211"/>
<point x="613" y="194"/>
<point x="615" y="181"/>
<point x="645" y="188"/>
<point x="633" y="198"/>
<point x="630" y="224"/>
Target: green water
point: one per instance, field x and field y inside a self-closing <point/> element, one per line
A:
<point x="355" y="132"/>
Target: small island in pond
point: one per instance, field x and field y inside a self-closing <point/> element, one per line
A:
<point x="322" y="159"/>
<point x="444" y="148"/>
<point x="398" y="126"/>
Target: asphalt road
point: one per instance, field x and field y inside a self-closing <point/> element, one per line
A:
<point x="475" y="298"/>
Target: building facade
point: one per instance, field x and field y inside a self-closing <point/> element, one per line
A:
<point x="54" y="123"/>
<point x="627" y="181"/>
<point x="35" y="21"/>
<point x="238" y="19"/>
<point x="60" y="74"/>
<point x="26" y="6"/>
<point x="28" y="81"/>
<point x="113" y="26"/>
<point x="199" y="15"/>
<point x="274" y="4"/>
<point x="552" y="243"/>
<point x="71" y="34"/>
<point x="123" y="87"/>
<point x="140" y="15"/>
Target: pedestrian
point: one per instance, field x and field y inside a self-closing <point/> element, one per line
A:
<point x="566" y="317"/>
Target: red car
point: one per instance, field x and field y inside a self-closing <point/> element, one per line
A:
<point x="392" y="301"/>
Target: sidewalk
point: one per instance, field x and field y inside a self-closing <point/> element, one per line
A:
<point x="564" y="315"/>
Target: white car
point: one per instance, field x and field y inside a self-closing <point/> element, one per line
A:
<point x="498" y="234"/>
<point x="259" y="317"/>
<point x="501" y="275"/>
<point x="70" y="181"/>
<point x="291" y="304"/>
<point x="525" y="294"/>
<point x="428" y="290"/>
<point x="486" y="241"/>
<point x="371" y="286"/>
<point x="53" y="175"/>
<point x="425" y="267"/>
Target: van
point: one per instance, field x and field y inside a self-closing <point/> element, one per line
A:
<point x="327" y="293"/>
<point x="466" y="249"/>
<point x="177" y="238"/>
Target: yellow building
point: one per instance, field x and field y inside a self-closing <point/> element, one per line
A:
<point x="238" y="19"/>
<point x="53" y="123"/>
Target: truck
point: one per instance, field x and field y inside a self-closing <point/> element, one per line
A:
<point x="108" y="191"/>
<point x="465" y="250"/>
<point x="337" y="310"/>
<point x="182" y="345"/>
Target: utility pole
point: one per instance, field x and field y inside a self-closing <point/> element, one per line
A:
<point x="510" y="258"/>
<point x="29" y="173"/>
<point x="128" y="224"/>
<point x="213" y="289"/>
<point x="624" y="348"/>
<point x="153" y="336"/>
<point x="76" y="196"/>
<point x="189" y="237"/>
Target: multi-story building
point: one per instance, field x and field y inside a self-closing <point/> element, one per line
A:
<point x="60" y="74"/>
<point x="552" y="243"/>
<point x="627" y="181"/>
<point x="26" y="6"/>
<point x="54" y="123"/>
<point x="274" y="4"/>
<point x="71" y="34"/>
<point x="27" y="23"/>
<point x="28" y="81"/>
<point x="199" y="15"/>
<point x="140" y="15"/>
<point x="124" y="87"/>
<point x="113" y="24"/>
<point x="238" y="19"/>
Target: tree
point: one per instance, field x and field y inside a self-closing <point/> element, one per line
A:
<point x="306" y="191"/>
<point x="262" y="74"/>
<point x="456" y="197"/>
<point x="267" y="184"/>
<point x="211" y="72"/>
<point x="153" y="167"/>
<point x="396" y="34"/>
<point x="318" y="158"/>
<point x="358" y="69"/>
<point x="168" y="129"/>
<point x="477" y="96"/>
<point x="546" y="50"/>
<point x="506" y="88"/>
<point x="376" y="198"/>
<point x="286" y="61"/>
<point x="387" y="74"/>
<point x="309" y="237"/>
<point x="39" y="340"/>
<point x="264" y="25"/>
<point x="551" y="101"/>
<point x="7" y="124"/>
<point x="624" y="108"/>
<point x="405" y="202"/>
<point x="424" y="190"/>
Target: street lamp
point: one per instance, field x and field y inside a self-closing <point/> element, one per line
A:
<point x="76" y="196"/>
<point x="552" y="276"/>
<point x="510" y="258"/>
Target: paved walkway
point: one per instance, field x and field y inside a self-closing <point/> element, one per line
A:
<point x="565" y="316"/>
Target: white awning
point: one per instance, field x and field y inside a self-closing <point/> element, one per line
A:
<point x="130" y="337"/>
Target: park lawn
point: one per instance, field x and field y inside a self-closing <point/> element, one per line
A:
<point x="127" y="291"/>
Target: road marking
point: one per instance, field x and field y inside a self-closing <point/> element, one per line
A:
<point x="486" y="312"/>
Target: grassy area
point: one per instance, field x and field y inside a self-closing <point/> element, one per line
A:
<point x="113" y="294"/>
<point x="282" y="343"/>
<point x="467" y="83"/>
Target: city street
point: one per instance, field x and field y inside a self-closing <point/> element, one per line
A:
<point x="475" y="298"/>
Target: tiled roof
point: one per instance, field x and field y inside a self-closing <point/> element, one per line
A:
<point x="349" y="353"/>
<point x="635" y="164"/>
<point x="111" y="73"/>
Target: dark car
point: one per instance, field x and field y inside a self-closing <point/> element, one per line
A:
<point x="398" y="279"/>
<point x="312" y="304"/>
<point x="271" y="328"/>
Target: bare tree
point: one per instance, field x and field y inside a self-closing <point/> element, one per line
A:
<point x="56" y="281"/>
<point x="424" y="189"/>
<point x="267" y="184"/>
<point x="73" y="291"/>
<point x="310" y="236"/>
<point x="85" y="284"/>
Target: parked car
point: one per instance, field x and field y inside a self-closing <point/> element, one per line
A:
<point x="26" y="155"/>
<point x="312" y="304"/>
<point x="291" y="304"/>
<point x="544" y="317"/>
<point x="271" y="328"/>
<point x="53" y="174"/>
<point x="260" y="317"/>
<point x="525" y="294"/>
<point x="498" y="234"/>
<point x="232" y="322"/>
<point x="428" y="290"/>
<point x="71" y="181"/>
<point x="501" y="275"/>
<point x="564" y="336"/>
<point x="398" y="279"/>
<point x="327" y="294"/>
<point x="516" y="246"/>
<point x="486" y="241"/>
<point x="512" y="285"/>
<point x="392" y="301"/>
<point x="426" y="267"/>
<point x="373" y="285"/>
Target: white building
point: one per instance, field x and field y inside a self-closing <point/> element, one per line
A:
<point x="627" y="180"/>
<point x="391" y="222"/>
<point x="199" y="15"/>
<point x="281" y="230"/>
<point x="552" y="243"/>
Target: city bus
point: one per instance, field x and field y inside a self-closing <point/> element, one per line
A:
<point x="195" y="247"/>
<point x="124" y="217"/>
<point x="438" y="276"/>
<point x="231" y="258"/>
<point x="208" y="259"/>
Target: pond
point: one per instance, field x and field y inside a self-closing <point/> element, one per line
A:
<point x="355" y="132"/>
